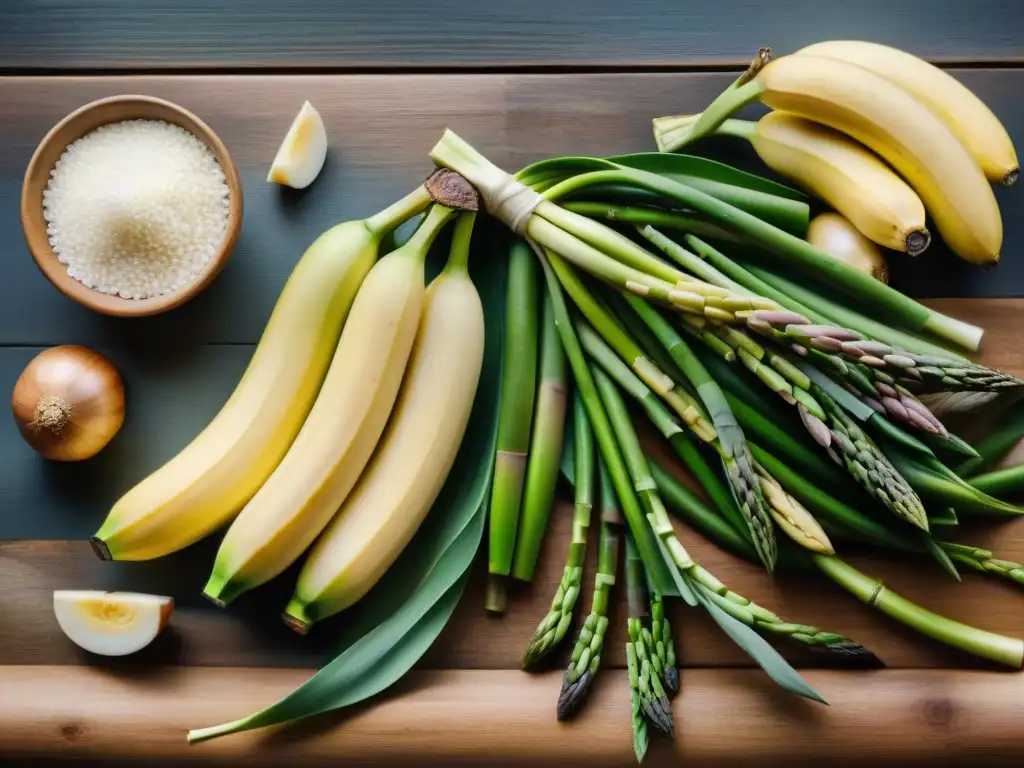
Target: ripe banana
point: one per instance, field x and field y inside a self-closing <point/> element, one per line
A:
<point x="888" y="120"/>
<point x="843" y="173"/>
<point x="316" y="474"/>
<point x="205" y="485"/>
<point x="415" y="455"/>
<point x="965" y="114"/>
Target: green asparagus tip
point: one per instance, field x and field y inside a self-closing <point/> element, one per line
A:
<point x="496" y="599"/>
<point x="573" y="693"/>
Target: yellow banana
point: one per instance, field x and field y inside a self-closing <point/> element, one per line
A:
<point x="342" y="429"/>
<point x="965" y="114"/>
<point x="205" y="485"/>
<point x="835" y="168"/>
<point x="415" y="455"/>
<point x="888" y="120"/>
<point x="211" y="479"/>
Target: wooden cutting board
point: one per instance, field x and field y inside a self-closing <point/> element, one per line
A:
<point x="467" y="701"/>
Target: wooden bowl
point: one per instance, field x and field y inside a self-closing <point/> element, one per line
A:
<point x="80" y="122"/>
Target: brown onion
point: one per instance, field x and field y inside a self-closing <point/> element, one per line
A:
<point x="837" y="237"/>
<point x="68" y="403"/>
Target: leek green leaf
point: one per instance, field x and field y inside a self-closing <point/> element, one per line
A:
<point x="776" y="667"/>
<point x="406" y="611"/>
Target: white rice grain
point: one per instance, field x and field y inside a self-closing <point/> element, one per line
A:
<point x="136" y="208"/>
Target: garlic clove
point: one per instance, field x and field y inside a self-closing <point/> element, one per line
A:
<point x="303" y="151"/>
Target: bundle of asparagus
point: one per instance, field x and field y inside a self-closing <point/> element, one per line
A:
<point x="797" y="415"/>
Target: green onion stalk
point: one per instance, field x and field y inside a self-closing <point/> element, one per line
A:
<point x="934" y="480"/>
<point x="1000" y="482"/>
<point x="987" y="645"/>
<point x="731" y="440"/>
<point x="680" y="441"/>
<point x="996" y="443"/>
<point x="610" y="453"/>
<point x="735" y="605"/>
<point x="654" y="700"/>
<point x="641" y="216"/>
<point x="712" y="265"/>
<point x="556" y="622"/>
<point x="654" y="377"/>
<point x="515" y="416"/>
<point x="545" y="448"/>
<point x="827" y="311"/>
<point x="586" y="653"/>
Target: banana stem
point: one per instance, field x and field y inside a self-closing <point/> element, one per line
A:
<point x="386" y="220"/>
<point x="672" y="133"/>
<point x="731" y="100"/>
<point x="515" y="416"/>
<point x="458" y="256"/>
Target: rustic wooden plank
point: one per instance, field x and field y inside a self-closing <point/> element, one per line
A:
<point x="381" y="128"/>
<point x="399" y="33"/>
<point x="729" y="717"/>
<point x="250" y="634"/>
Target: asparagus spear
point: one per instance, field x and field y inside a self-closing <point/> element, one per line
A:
<point x="832" y="428"/>
<point x="984" y="561"/>
<point x="654" y="701"/>
<point x="919" y="372"/>
<point x="518" y="387"/>
<point x="737" y="606"/>
<point x="664" y="644"/>
<point x="640" y="738"/>
<point x="676" y="397"/>
<point x="731" y="441"/>
<point x="796" y="521"/>
<point x="876" y="388"/>
<point x="586" y="654"/>
<point x="555" y="624"/>
<point x="987" y="645"/>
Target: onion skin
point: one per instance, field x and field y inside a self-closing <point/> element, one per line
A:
<point x="68" y="403"/>
<point x="837" y="237"/>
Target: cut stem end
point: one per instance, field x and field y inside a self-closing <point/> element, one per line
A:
<point x="917" y="242"/>
<point x="496" y="599"/>
<point x="100" y="548"/>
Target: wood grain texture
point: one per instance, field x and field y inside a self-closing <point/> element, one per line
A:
<point x="251" y="634"/>
<point x="398" y="33"/>
<point x="381" y="129"/>
<point x="506" y="718"/>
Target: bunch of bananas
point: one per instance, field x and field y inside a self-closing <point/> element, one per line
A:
<point x="344" y="426"/>
<point x="878" y="134"/>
